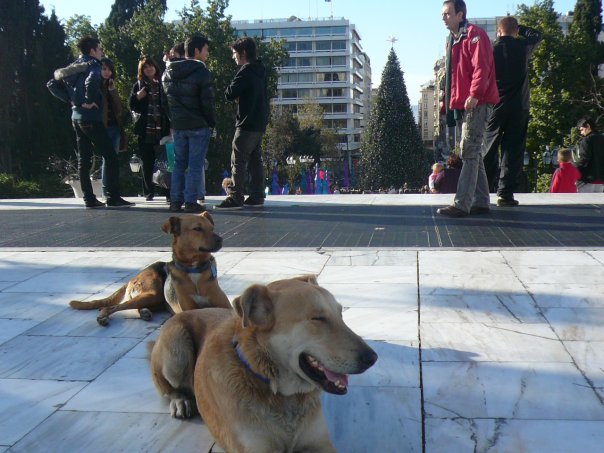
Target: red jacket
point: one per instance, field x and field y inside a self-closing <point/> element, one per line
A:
<point x="472" y="68"/>
<point x="565" y="178"/>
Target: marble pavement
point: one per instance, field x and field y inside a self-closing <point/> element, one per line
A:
<point x="480" y="350"/>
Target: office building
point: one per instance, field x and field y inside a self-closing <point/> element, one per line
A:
<point x="326" y="64"/>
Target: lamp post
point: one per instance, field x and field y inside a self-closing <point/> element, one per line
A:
<point x="136" y="165"/>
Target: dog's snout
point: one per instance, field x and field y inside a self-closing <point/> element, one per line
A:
<point x="367" y="357"/>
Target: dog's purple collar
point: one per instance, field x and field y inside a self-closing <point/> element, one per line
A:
<point x="246" y="363"/>
<point x="210" y="264"/>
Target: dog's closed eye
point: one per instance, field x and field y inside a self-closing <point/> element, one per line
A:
<point x="319" y="318"/>
<point x="200" y="229"/>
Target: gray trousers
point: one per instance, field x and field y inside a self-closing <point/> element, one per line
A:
<point x="473" y="187"/>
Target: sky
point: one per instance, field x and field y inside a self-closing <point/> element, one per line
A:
<point x="416" y="25"/>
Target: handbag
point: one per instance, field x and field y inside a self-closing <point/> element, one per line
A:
<point x="162" y="176"/>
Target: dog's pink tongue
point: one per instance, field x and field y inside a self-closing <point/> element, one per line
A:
<point x="333" y="377"/>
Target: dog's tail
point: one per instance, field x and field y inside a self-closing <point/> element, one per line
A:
<point x="115" y="299"/>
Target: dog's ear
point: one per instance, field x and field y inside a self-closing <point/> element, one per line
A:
<point x="172" y="226"/>
<point x="207" y="215"/>
<point x="255" y="307"/>
<point x="312" y="279"/>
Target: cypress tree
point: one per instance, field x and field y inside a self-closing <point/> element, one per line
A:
<point x="392" y="151"/>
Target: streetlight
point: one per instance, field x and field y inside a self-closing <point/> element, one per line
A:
<point x="136" y="164"/>
<point x="547" y="156"/>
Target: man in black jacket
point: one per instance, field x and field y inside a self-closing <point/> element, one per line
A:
<point x="190" y="92"/>
<point x="79" y="84"/>
<point x="248" y="89"/>
<point x="591" y="157"/>
<point x="508" y="123"/>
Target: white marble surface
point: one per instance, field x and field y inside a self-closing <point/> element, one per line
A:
<point x="506" y="347"/>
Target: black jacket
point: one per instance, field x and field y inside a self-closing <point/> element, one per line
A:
<point x="591" y="158"/>
<point x="249" y="86"/>
<point x="140" y="109"/>
<point x="190" y="91"/>
<point x="512" y="57"/>
<point x="80" y="83"/>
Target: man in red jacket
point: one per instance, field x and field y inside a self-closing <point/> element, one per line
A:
<point x="470" y="93"/>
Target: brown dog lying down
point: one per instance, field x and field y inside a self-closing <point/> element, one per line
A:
<point x="255" y="373"/>
<point x="193" y="241"/>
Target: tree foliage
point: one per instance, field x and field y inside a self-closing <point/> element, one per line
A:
<point x="32" y="45"/>
<point x="77" y="26"/>
<point x="563" y="83"/>
<point x="392" y="149"/>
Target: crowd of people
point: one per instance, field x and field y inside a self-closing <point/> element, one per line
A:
<point x="177" y="106"/>
<point x="486" y="98"/>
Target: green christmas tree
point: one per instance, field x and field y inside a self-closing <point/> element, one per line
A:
<point x="392" y="151"/>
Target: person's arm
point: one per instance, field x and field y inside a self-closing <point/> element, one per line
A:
<point x="238" y="86"/>
<point x="92" y="86"/>
<point x="531" y="36"/>
<point x="584" y="154"/>
<point x="207" y="100"/>
<point x="555" y="187"/>
<point x="136" y="101"/>
<point x="116" y="102"/>
<point x="482" y="63"/>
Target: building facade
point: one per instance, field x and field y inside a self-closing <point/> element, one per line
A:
<point x="426" y="113"/>
<point x="326" y="64"/>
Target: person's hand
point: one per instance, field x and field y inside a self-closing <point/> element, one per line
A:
<point x="89" y="106"/>
<point x="470" y="103"/>
<point x="110" y="85"/>
<point x="142" y="93"/>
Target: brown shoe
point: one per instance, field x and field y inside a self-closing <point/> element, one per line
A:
<point x="451" y="211"/>
<point x="480" y="210"/>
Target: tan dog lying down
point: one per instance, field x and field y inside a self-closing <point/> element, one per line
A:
<point x="255" y="373"/>
<point x="193" y="241"/>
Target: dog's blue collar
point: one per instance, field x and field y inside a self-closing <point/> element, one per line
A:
<point x="210" y="264"/>
<point x="246" y="363"/>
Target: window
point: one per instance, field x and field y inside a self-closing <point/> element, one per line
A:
<point x="323" y="45"/>
<point x="338" y="61"/>
<point x="338" y="45"/>
<point x="340" y="108"/>
<point x="303" y="31"/>
<point x="306" y="77"/>
<point x="303" y="61"/>
<point x="323" y="61"/>
<point x="289" y="94"/>
<point x="304" y="46"/>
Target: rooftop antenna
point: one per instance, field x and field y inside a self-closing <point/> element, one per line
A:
<point x="392" y="40"/>
<point x="331" y="7"/>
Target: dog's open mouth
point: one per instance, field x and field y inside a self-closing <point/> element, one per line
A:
<point x="329" y="381"/>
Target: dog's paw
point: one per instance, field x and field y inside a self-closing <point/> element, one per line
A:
<point x="145" y="314"/>
<point x="181" y="408"/>
<point x="103" y="320"/>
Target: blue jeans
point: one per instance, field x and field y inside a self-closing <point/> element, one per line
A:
<point x="114" y="137"/>
<point x="190" y="149"/>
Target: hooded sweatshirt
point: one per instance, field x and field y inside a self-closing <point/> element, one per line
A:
<point x="249" y="87"/>
<point x="190" y="91"/>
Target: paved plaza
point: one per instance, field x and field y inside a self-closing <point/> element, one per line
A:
<point x="489" y="329"/>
